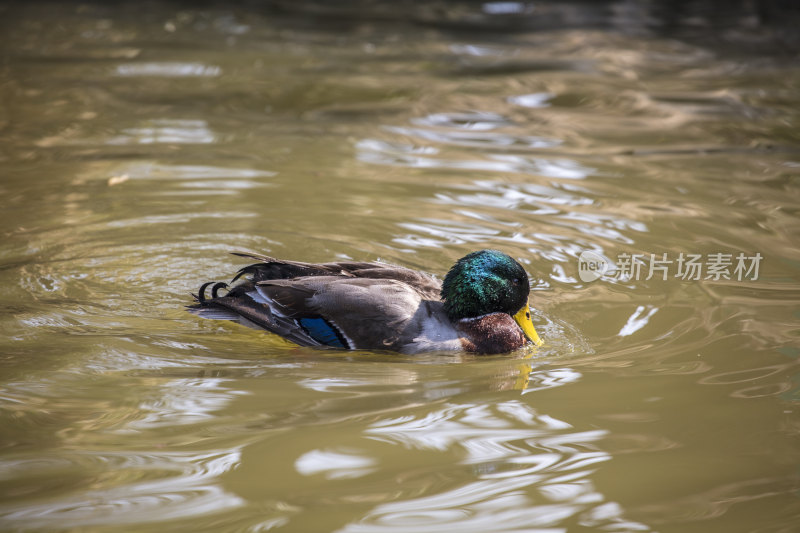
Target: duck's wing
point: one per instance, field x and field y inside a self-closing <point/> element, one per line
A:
<point x="354" y="313"/>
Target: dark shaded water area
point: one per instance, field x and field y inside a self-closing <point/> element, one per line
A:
<point x="140" y="143"/>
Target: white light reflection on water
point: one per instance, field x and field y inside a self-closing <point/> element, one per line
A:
<point x="506" y="8"/>
<point x="173" y="180"/>
<point x="163" y="131"/>
<point x="476" y="139"/>
<point x="162" y="172"/>
<point x="552" y="168"/>
<point x="158" y="220"/>
<point x="473" y="120"/>
<point x="190" y="491"/>
<point x="512" y="196"/>
<point x="184" y="401"/>
<point x="556" y="377"/>
<point x="335" y="465"/>
<point x="166" y="69"/>
<point x="381" y="153"/>
<point x="435" y="233"/>
<point x="153" y="131"/>
<point x="637" y="320"/>
<point x="533" y="100"/>
<point x="530" y="472"/>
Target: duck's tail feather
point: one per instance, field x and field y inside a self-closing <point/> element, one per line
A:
<point x="245" y="305"/>
<point x="269" y="268"/>
<point x="258" y="257"/>
<point x="213" y="313"/>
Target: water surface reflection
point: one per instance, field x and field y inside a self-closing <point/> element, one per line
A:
<point x="531" y="471"/>
<point x="148" y="487"/>
<point x="139" y="147"/>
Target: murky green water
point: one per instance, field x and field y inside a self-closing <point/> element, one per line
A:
<point x="140" y="143"/>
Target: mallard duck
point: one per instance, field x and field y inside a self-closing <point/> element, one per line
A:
<point x="480" y="307"/>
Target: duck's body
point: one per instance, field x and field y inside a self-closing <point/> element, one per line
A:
<point x="377" y="306"/>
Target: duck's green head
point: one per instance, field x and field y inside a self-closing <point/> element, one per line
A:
<point x="488" y="281"/>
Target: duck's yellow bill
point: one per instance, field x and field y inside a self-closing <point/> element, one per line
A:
<point x="523" y="318"/>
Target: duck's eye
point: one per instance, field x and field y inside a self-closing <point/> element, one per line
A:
<point x="515" y="281"/>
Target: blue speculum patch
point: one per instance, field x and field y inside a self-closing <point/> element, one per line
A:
<point x="323" y="332"/>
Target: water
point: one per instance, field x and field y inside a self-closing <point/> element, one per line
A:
<point x="142" y="143"/>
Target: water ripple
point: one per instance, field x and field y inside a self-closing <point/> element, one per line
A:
<point x="474" y="120"/>
<point x="166" y="131"/>
<point x="150" y="170"/>
<point x="537" y="187"/>
<point x="190" y="491"/>
<point x="476" y="139"/>
<point x="531" y="473"/>
<point x="183" y="401"/>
